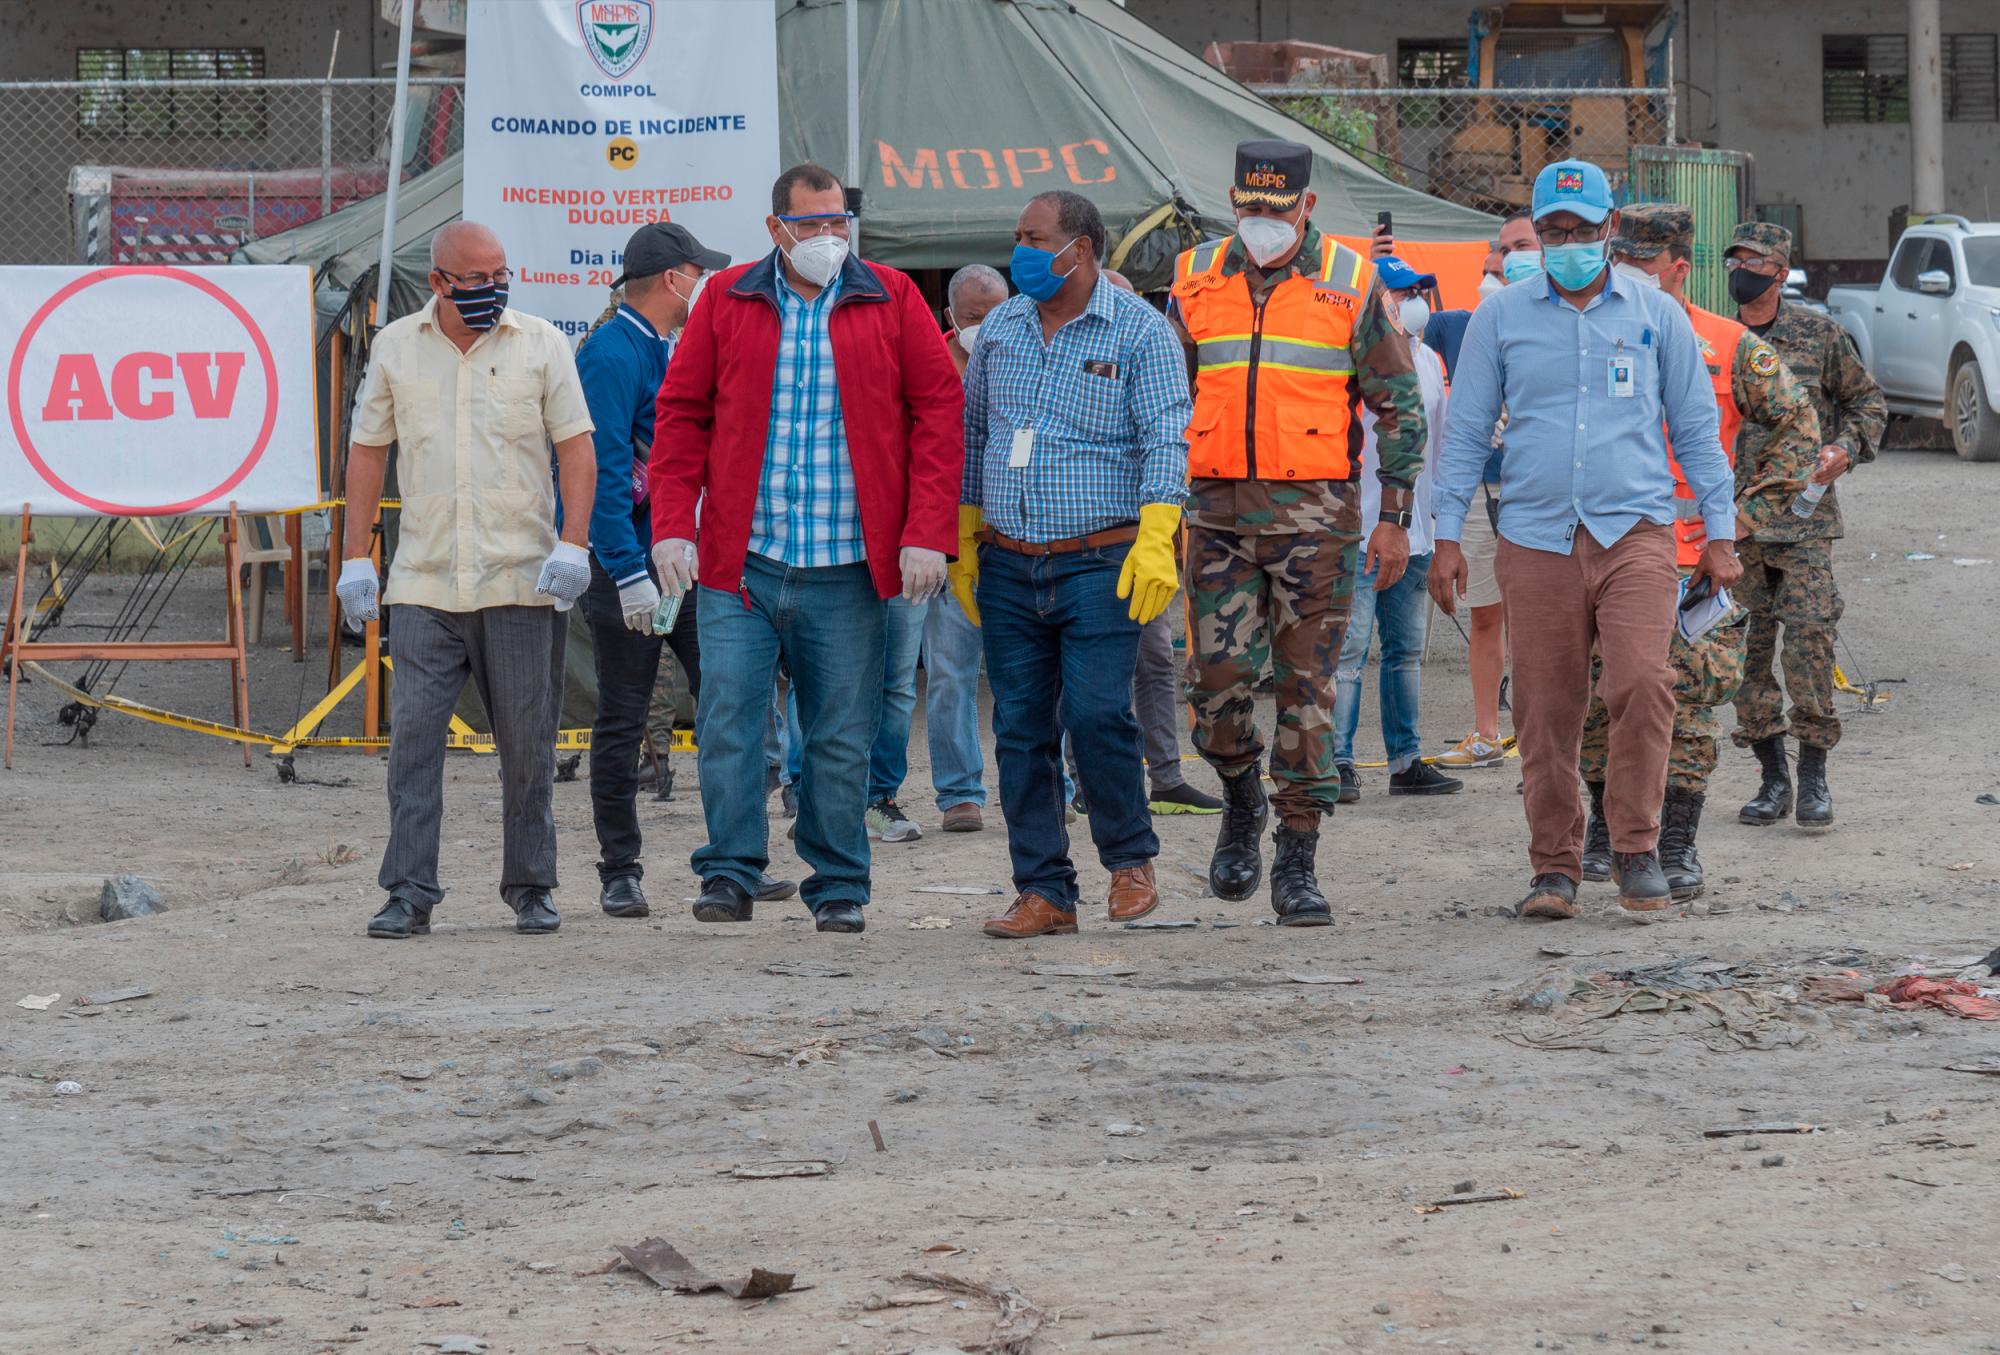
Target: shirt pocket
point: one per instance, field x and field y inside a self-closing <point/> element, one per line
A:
<point x="1206" y="446"/>
<point x="416" y="404"/>
<point x="1100" y="400"/>
<point x="1310" y="446"/>
<point x="518" y="399"/>
<point x="425" y="531"/>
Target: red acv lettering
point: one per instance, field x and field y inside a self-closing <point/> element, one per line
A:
<point x="140" y="386"/>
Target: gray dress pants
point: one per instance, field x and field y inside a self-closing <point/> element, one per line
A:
<point x="514" y="656"/>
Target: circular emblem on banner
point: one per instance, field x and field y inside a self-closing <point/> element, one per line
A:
<point x="622" y="152"/>
<point x="125" y="372"/>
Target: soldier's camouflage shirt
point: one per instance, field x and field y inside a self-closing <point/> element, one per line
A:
<point x="1852" y="413"/>
<point x="1771" y="469"/>
<point x="1387" y="381"/>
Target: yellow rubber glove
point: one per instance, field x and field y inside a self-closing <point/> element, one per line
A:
<point x="1149" y="577"/>
<point x="964" y="571"/>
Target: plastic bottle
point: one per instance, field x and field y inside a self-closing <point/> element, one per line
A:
<point x="1807" y="500"/>
<point x="669" y="610"/>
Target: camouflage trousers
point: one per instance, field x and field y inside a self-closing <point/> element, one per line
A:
<point x="1706" y="674"/>
<point x="1281" y="601"/>
<point x="1789" y="583"/>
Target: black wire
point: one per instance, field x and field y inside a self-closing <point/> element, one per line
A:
<point x="181" y="568"/>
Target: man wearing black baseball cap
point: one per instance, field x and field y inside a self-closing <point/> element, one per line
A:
<point x="621" y="363"/>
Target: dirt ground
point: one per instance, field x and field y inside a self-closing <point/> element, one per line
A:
<point x="390" y="1145"/>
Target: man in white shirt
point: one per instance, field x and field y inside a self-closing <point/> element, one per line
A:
<point x="1396" y="614"/>
<point x="472" y="394"/>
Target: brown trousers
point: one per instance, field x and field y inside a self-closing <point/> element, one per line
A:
<point x="1619" y="598"/>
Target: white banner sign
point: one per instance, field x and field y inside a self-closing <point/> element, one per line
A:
<point x="150" y="391"/>
<point x="586" y="119"/>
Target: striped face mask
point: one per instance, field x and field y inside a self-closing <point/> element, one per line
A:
<point x="480" y="307"/>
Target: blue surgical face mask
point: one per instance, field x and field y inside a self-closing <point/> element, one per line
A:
<point x="1574" y="266"/>
<point x="1034" y="271"/>
<point x="1522" y="263"/>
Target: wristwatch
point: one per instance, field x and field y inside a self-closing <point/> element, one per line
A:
<point x="1395" y="518"/>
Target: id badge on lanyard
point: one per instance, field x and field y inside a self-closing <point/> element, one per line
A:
<point x="1620" y="375"/>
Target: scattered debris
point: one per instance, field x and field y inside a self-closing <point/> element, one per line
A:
<point x="1126" y="1331"/>
<point x="819" y="1050"/>
<point x="519" y="1175"/>
<point x="1954" y="1273"/>
<point x="1162" y="924"/>
<point x="260" y="1239"/>
<point x="1013" y="1331"/>
<point x="1950" y="995"/>
<point x="433" y="1301"/>
<point x="1770" y="1127"/>
<point x="796" y="970"/>
<point x="1918" y="555"/>
<point x="1483" y="1197"/>
<point x="116" y="995"/>
<point x="930" y="922"/>
<point x="223" y="1326"/>
<point x="975" y="891"/>
<point x="1698" y="974"/>
<point x="128" y="896"/>
<point x="68" y="1088"/>
<point x="1774" y="1160"/>
<point x="656" y="1259"/>
<point x="1124" y="1131"/>
<point x="875" y="1132"/>
<point x="455" y="1345"/>
<point x="572" y="1070"/>
<point x="1321" y="978"/>
<point x="1987" y="798"/>
<point x="875" y="1303"/>
<point x="1083" y="971"/>
<point x="414" y="1072"/>
<point x="775" y="1171"/>
<point x="39" y="1004"/>
<point x="1987" y="1069"/>
<point x="1964" y="560"/>
<point x="1915" y="1181"/>
<point x="233" y="1192"/>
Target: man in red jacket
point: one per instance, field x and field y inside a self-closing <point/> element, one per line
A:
<point x="811" y="402"/>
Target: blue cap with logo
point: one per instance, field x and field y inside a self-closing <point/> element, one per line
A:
<point x="1398" y="276"/>
<point x="1573" y="186"/>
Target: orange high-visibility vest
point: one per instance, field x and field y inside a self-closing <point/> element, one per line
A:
<point x="1718" y="338"/>
<point x="1274" y="395"/>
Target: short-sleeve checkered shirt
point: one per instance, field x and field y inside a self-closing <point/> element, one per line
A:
<point x="807" y="515"/>
<point x="1108" y="401"/>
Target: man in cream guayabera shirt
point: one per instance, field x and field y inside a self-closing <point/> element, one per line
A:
<point x="473" y="394"/>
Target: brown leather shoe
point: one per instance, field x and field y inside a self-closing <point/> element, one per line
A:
<point x="1032" y="915"/>
<point x="1133" y="893"/>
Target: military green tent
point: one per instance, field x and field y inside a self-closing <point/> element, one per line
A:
<point x="968" y="108"/>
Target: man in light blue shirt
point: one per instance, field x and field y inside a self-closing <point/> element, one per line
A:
<point x="1596" y="374"/>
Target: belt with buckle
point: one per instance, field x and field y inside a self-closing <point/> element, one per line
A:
<point x="1069" y="545"/>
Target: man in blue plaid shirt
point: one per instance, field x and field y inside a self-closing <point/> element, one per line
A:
<point x="1076" y="407"/>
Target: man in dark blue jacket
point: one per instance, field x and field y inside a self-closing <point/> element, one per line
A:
<point x="622" y="363"/>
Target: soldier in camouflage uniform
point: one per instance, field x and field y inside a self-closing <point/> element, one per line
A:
<point x="1750" y="382"/>
<point x="1788" y="569"/>
<point x="1285" y="328"/>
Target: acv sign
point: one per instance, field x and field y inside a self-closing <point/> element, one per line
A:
<point x="141" y="386"/>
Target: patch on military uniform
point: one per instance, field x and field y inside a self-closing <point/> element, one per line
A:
<point x="1764" y="360"/>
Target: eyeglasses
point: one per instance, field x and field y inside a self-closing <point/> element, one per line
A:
<point x="496" y="279"/>
<point x="1768" y="267"/>
<point x="837" y="223"/>
<point x="1556" y="235"/>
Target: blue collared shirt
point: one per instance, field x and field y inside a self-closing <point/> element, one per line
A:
<point x="807" y="513"/>
<point x="1107" y="399"/>
<point x="621" y="367"/>
<point x="1575" y="452"/>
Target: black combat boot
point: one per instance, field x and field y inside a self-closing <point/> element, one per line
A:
<point x="1774" y="798"/>
<point x="1596" y="837"/>
<point x="1815" y="800"/>
<point x="1295" y="895"/>
<point x="1238" y="864"/>
<point x="1680" y="819"/>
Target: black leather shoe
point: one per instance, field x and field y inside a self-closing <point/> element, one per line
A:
<point x="399" y="920"/>
<point x="1815" y="799"/>
<point x="1350" y="783"/>
<point x="1642" y="885"/>
<point x="722" y="900"/>
<point x="1596" y="837"/>
<point x="1238" y="863"/>
<point x="1420" y="778"/>
<point x="840" y="917"/>
<point x="1773" y="800"/>
<point x="535" y="913"/>
<point x="774" y="891"/>
<point x="622" y="897"/>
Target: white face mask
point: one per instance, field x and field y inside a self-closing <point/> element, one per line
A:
<point x="819" y="258"/>
<point x="1492" y="283"/>
<point x="1266" y="237"/>
<point x="968" y="335"/>
<point x="1415" y="313"/>
<point x="1636" y="274"/>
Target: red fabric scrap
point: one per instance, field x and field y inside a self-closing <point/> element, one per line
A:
<point x="1951" y="995"/>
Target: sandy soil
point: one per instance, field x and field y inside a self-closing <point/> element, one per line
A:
<point x="451" y="1134"/>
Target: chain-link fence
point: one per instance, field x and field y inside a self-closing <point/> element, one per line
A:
<point x="185" y="171"/>
<point x="1482" y="147"/>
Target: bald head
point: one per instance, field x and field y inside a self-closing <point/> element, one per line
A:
<point x="466" y="247"/>
<point x="1118" y="279"/>
<point x="975" y="286"/>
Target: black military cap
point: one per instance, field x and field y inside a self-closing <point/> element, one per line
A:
<point x="1274" y="173"/>
<point x="659" y="245"/>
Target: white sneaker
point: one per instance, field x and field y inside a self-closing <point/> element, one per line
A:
<point x="889" y="824"/>
<point x="1474" y="750"/>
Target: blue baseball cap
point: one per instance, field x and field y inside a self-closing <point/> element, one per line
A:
<point x="1398" y="276"/>
<point x="1573" y="186"/>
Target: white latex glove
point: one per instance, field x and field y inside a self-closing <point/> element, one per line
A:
<point x="565" y="575"/>
<point x="639" y="600"/>
<point x="673" y="561"/>
<point x="923" y="573"/>
<point x="359" y="593"/>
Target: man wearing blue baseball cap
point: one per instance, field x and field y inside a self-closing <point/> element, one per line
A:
<point x="1589" y="366"/>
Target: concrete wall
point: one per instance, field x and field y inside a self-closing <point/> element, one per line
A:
<point x="1747" y="77"/>
<point x="38" y="40"/>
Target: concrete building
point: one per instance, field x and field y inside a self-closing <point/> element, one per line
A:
<point x="1815" y="90"/>
<point x="293" y="38"/>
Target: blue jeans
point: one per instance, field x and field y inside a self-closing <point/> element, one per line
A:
<point x="889" y="758"/>
<point x="826" y="624"/>
<point x="1397" y="615"/>
<point x="1059" y="642"/>
<point x="951" y="704"/>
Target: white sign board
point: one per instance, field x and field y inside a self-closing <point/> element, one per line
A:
<point x="150" y="391"/>
<point x="586" y="119"/>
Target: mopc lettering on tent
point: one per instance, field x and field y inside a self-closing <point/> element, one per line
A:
<point x="975" y="167"/>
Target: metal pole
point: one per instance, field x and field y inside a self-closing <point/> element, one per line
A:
<point x="853" y="16"/>
<point x="1670" y="91"/>
<point x="395" y="163"/>
<point x="325" y="149"/>
<point x="1926" y="110"/>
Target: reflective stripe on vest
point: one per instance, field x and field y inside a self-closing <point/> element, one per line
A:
<point x="1297" y="355"/>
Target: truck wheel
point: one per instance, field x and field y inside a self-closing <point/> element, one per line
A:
<point x="1975" y="428"/>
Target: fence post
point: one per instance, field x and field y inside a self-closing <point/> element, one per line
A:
<point x="325" y="149"/>
<point x="1670" y="92"/>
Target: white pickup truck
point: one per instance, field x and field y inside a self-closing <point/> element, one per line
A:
<point x="1930" y="330"/>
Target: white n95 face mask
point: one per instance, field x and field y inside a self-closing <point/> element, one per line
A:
<point x="1492" y="283"/>
<point x="1636" y="274"/>
<point x="968" y="335"/>
<point x="1266" y="237"/>
<point x="818" y="258"/>
<point x="1415" y="313"/>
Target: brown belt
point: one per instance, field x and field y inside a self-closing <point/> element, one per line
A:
<point x="1110" y="536"/>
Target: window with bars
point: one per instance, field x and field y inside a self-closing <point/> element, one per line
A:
<point x="1431" y="63"/>
<point x="1866" y="77"/>
<point x="187" y="111"/>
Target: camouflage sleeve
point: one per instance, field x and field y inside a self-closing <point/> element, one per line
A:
<point x="1387" y="378"/>
<point x="1768" y="479"/>
<point x="1863" y="413"/>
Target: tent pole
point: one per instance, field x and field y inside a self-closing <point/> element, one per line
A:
<point x="401" y="107"/>
<point x="853" y="16"/>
